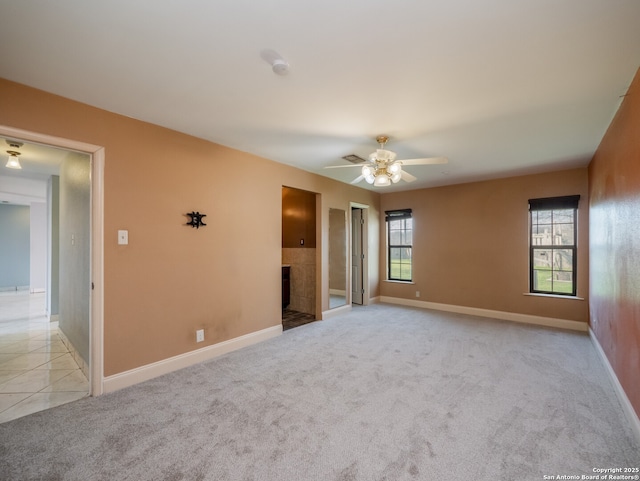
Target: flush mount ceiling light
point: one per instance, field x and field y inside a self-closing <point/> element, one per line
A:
<point x="383" y="169"/>
<point x="13" y="162"/>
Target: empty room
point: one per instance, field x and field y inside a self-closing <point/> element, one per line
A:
<point x="323" y="240"/>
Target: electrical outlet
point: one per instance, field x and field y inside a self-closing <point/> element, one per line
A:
<point x="200" y="335"/>
<point x="417" y="293"/>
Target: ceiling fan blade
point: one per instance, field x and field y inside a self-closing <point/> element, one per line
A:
<point x="407" y="177"/>
<point x="426" y="161"/>
<point x="343" y="166"/>
<point x="357" y="179"/>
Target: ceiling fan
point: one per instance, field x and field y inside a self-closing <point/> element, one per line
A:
<point x="383" y="169"/>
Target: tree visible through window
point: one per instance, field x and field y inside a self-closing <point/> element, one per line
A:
<point x="399" y="242"/>
<point x="552" y="246"/>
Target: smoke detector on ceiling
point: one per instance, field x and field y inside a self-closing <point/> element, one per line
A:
<point x="280" y="67"/>
<point x="278" y="64"/>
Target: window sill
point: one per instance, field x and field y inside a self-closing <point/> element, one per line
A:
<point x="555" y="296"/>
<point x="398" y="282"/>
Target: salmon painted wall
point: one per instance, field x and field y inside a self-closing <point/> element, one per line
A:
<point x="614" y="186"/>
<point x="172" y="279"/>
<point x="471" y="244"/>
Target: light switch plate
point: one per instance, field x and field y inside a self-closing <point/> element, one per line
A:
<point x="123" y="237"/>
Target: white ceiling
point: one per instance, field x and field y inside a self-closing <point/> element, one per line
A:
<point x="500" y="87"/>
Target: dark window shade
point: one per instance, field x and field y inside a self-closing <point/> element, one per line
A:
<point x="552" y="203"/>
<point x="397" y="214"/>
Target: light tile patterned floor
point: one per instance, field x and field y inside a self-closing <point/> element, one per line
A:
<point x="37" y="372"/>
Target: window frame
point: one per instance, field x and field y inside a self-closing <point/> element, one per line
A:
<point x="554" y="204"/>
<point x="394" y="215"/>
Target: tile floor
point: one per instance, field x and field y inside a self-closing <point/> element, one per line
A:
<point x="291" y="319"/>
<point x="36" y="370"/>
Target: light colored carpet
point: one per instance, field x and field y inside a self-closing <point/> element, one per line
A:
<point x="381" y="393"/>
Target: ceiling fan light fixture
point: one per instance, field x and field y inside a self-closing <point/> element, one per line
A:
<point x="384" y="155"/>
<point x="394" y="168"/>
<point x="368" y="173"/>
<point x="383" y="169"/>
<point x="382" y="180"/>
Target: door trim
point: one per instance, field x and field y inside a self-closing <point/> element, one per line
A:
<point x="96" y="323"/>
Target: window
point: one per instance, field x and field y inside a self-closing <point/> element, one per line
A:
<point x="552" y="245"/>
<point x="399" y="242"/>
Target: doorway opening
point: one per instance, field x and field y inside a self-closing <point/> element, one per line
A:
<point x="81" y="232"/>
<point x="299" y="257"/>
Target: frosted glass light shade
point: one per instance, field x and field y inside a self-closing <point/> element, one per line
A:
<point x="382" y="180"/>
<point x="394" y="168"/>
<point x="368" y="173"/>
<point x="13" y="162"/>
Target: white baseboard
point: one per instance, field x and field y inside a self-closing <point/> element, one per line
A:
<point x="14" y="288"/>
<point x="144" y="373"/>
<point x="634" y="421"/>
<point x="336" y="311"/>
<point x="505" y="316"/>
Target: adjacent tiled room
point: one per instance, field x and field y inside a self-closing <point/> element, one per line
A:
<point x="37" y="371"/>
<point x="291" y="319"/>
<point x="303" y="278"/>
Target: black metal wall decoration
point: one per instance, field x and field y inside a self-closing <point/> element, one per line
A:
<point x="196" y="219"/>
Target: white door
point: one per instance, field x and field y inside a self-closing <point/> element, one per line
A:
<point x="357" y="255"/>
